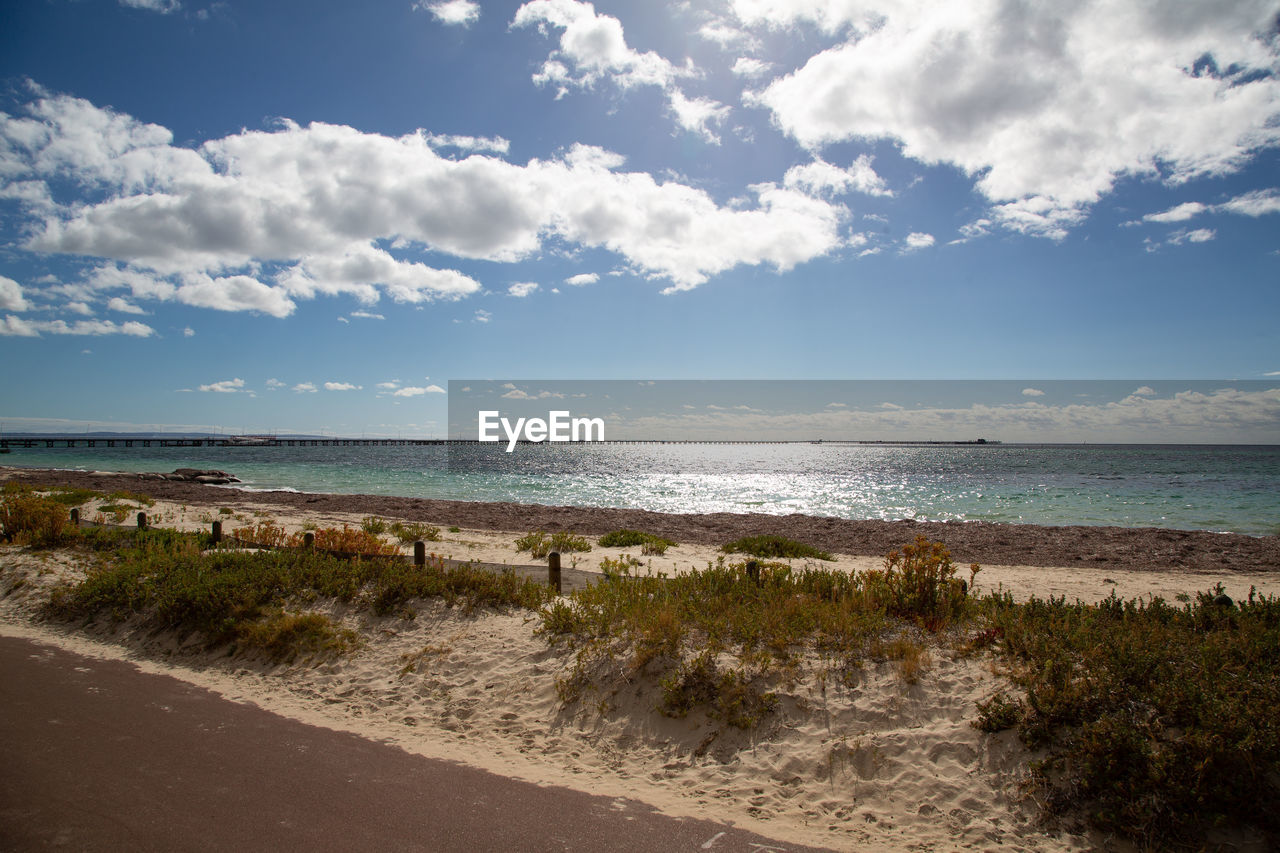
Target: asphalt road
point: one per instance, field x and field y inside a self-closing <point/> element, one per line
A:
<point x="97" y="755"/>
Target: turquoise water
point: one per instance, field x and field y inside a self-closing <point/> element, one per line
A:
<point x="1225" y="488"/>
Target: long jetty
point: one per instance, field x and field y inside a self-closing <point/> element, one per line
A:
<point x="27" y="441"/>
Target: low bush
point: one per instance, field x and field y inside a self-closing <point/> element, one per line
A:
<point x="27" y="518"/>
<point x="415" y="531"/>
<point x="774" y="548"/>
<point x="1159" y="720"/>
<point x="539" y="544"/>
<point x="650" y="544"/>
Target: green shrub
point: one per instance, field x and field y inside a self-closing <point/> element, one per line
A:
<point x="539" y="544"/>
<point x="774" y="548"/>
<point x="650" y="544"/>
<point x="373" y="525"/>
<point x="415" y="531"/>
<point x="1159" y="720"/>
<point x="27" y="518"/>
<point x="918" y="582"/>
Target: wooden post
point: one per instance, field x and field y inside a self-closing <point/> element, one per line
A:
<point x="142" y="521"/>
<point x="309" y="541"/>
<point x="553" y="571"/>
<point x="753" y="571"/>
<point x="75" y="516"/>
<point x="217" y="532"/>
<point x="419" y="553"/>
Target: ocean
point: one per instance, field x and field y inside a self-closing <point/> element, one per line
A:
<point x="1229" y="488"/>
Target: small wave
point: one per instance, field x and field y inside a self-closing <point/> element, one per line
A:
<point x="241" y="487"/>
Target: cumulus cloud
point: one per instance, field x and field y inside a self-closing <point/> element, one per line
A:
<point x="260" y="219"/>
<point x="226" y="386"/>
<point x="452" y="12"/>
<point x="11" y="298"/>
<point x="305" y="388"/>
<point x="367" y="315"/>
<point x="416" y="391"/>
<point x="698" y="115"/>
<point x="1032" y="392"/>
<point x="482" y="316"/>
<point x="823" y="179"/>
<point x="189" y="332"/>
<point x="495" y="144"/>
<point x="582" y="279"/>
<point x="34" y="328"/>
<point x="115" y="303"/>
<point x="1045" y="105"/>
<point x="749" y="66"/>
<point x="1180" y="213"/>
<point x="593" y="48"/>
<point x="340" y="386"/>
<point x="1197" y="235"/>
<point x="164" y="7"/>
<point x="916" y="241"/>
<point x="522" y="289"/>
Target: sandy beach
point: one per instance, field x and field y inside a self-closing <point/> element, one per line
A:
<point x="875" y="764"/>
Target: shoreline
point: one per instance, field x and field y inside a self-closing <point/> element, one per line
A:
<point x="986" y="543"/>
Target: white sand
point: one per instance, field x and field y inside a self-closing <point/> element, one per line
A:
<point x="879" y="764"/>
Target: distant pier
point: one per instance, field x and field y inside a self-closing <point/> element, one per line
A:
<point x="52" y="441"/>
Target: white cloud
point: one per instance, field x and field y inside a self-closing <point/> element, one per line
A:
<point x="582" y="279"/>
<point x="522" y="289"/>
<point x="344" y="320"/>
<point x="115" y="303"/>
<point x="747" y="66"/>
<point x="1032" y="392"/>
<point x="305" y="388"/>
<point x="916" y="241"/>
<point x="226" y="386"/>
<point x="452" y="12"/>
<point x="33" y="328"/>
<point x="1256" y="203"/>
<point x="592" y="48"/>
<point x="415" y="391"/>
<point x="698" y="115"/>
<point x="164" y="7"/>
<point x="821" y="178"/>
<point x="1144" y="391"/>
<point x="234" y="293"/>
<point x="367" y="315"/>
<point x="726" y="35"/>
<point x="340" y="386"/>
<point x="17" y="327"/>
<point x="189" y="332"/>
<point x="389" y="386"/>
<point x="274" y="384"/>
<point x="482" y="316"/>
<point x="207" y="226"/>
<point x="496" y="144"/>
<point x="1046" y="105"/>
<point x="11" y="298"/>
<point x="1180" y="213"/>
<point x="1198" y="235"/>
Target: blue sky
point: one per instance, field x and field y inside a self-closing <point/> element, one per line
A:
<point x="309" y="216"/>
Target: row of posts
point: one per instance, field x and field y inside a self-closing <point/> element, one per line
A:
<point x="419" y="548"/>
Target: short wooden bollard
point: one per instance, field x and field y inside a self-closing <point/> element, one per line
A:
<point x="75" y="516"/>
<point x="419" y="553"/>
<point x="309" y="541"/>
<point x="142" y="521"/>
<point x="553" y="570"/>
<point x="217" y="532"/>
<point x="753" y="571"/>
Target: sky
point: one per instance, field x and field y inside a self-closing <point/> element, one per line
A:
<point x="311" y="216"/>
